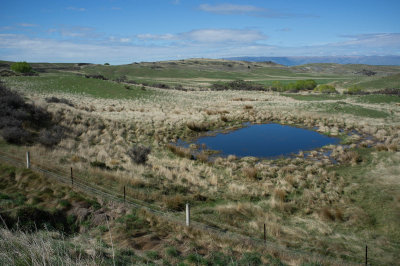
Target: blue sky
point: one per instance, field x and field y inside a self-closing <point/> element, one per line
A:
<point x="120" y="32"/>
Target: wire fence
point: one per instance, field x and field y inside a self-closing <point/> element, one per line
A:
<point x="177" y="218"/>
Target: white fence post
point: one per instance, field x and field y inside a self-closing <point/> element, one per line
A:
<point x="187" y="214"/>
<point x="28" y="160"/>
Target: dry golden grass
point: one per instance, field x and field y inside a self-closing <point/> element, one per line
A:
<point x="280" y="195"/>
<point x="174" y="202"/>
<point x="250" y="173"/>
<point x="198" y="126"/>
<point x="350" y="157"/>
<point x="162" y="120"/>
<point x="202" y="157"/>
<point x="180" y="151"/>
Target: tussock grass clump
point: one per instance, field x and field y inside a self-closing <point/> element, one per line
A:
<point x="280" y="195"/>
<point x="58" y="100"/>
<point x="250" y="173"/>
<point x="180" y="151"/>
<point x="202" y="157"/>
<point x="198" y="126"/>
<point x="247" y="107"/>
<point x="216" y="112"/>
<point x="42" y="248"/>
<point x="224" y="118"/>
<point x="385" y="147"/>
<point x="139" y="153"/>
<point x="330" y="214"/>
<point x="242" y="99"/>
<point x="350" y="157"/>
<point x="175" y="202"/>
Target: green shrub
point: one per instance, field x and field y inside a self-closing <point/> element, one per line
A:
<point x="196" y="259"/>
<point x="106" y="64"/>
<point x="238" y="85"/>
<point x="250" y="258"/>
<point x="172" y="252"/>
<point x="325" y="88"/>
<point x="299" y="85"/>
<point x="354" y="90"/>
<point x="139" y="153"/>
<point x="152" y="254"/>
<point x="21" y="67"/>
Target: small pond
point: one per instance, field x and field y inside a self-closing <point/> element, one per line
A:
<point x="265" y="141"/>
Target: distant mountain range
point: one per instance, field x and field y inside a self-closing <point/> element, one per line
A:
<point x="301" y="60"/>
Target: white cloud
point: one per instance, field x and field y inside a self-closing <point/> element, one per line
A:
<point x="125" y="40"/>
<point x="86" y="33"/>
<point x="209" y="36"/>
<point x="284" y="29"/>
<point x="224" y="35"/>
<point x="6" y="28"/>
<point x="149" y="36"/>
<point x="18" y="47"/>
<point x="80" y="9"/>
<point x="230" y="9"/>
<point x="27" y="25"/>
<point x="373" y="40"/>
<point x="250" y="10"/>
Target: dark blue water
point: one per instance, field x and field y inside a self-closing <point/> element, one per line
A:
<point x="266" y="140"/>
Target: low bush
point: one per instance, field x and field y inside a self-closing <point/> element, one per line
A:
<point x="325" y="88"/>
<point x="387" y="91"/>
<point x="355" y="90"/>
<point x="139" y="153"/>
<point x="16" y="135"/>
<point x="52" y="136"/>
<point x="96" y="77"/>
<point x="59" y="100"/>
<point x="23" y="123"/>
<point x="100" y="165"/>
<point x="21" y="67"/>
<point x="238" y="85"/>
<point x="299" y="85"/>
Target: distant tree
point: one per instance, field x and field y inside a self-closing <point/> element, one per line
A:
<point x="106" y="64"/>
<point x="21" y="67"/>
<point x="276" y="85"/>
<point x="354" y="90"/>
<point x="308" y="84"/>
<point x="325" y="88"/>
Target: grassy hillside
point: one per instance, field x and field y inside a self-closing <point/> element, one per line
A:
<point x="77" y="84"/>
<point x="320" y="202"/>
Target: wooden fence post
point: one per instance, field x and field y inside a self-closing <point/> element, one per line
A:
<point x="72" y="178"/>
<point x="124" y="194"/>
<point x="28" y="160"/>
<point x="187" y="214"/>
<point x="265" y="235"/>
